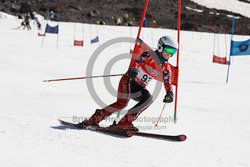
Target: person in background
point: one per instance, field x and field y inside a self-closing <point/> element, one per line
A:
<point x="38" y="24"/>
<point x="145" y="22"/>
<point x="26" y="22"/>
<point x="51" y="15"/>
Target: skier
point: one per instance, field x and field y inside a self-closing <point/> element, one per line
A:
<point x="26" y="22"/>
<point x="132" y="85"/>
<point x="36" y="21"/>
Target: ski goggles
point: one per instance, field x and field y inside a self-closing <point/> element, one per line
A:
<point x="170" y="50"/>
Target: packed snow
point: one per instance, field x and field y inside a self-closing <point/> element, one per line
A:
<point x="214" y="115"/>
<point x="235" y="6"/>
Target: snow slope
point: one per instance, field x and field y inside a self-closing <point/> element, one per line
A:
<point x="235" y="6"/>
<point x="5" y="15"/>
<point x="214" y="115"/>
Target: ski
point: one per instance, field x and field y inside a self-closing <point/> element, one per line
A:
<point x="110" y="131"/>
<point x="176" y="138"/>
<point x="125" y="133"/>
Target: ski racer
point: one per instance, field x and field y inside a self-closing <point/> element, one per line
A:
<point x="132" y="85"/>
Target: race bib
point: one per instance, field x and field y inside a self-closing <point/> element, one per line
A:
<point x="143" y="76"/>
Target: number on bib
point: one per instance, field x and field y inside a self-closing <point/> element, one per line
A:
<point x="144" y="77"/>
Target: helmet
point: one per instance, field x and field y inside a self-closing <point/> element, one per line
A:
<point x="166" y="41"/>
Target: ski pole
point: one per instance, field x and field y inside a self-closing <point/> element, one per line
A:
<point x="76" y="78"/>
<point x="160" y="115"/>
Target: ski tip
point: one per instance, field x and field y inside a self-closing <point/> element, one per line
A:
<point x="59" y="120"/>
<point x="182" y="137"/>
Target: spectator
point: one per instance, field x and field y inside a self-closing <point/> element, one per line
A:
<point x="38" y="24"/>
<point x="119" y="21"/>
<point x="145" y="22"/>
<point x="125" y="19"/>
<point x="154" y="23"/>
<point x="51" y="15"/>
<point x="26" y="22"/>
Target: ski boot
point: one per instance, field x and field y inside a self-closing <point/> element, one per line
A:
<point x="96" y="118"/>
<point x="126" y="123"/>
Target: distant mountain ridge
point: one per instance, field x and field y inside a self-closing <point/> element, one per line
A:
<point x="161" y="13"/>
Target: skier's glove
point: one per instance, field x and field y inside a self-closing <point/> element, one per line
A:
<point x="132" y="73"/>
<point x="168" y="97"/>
